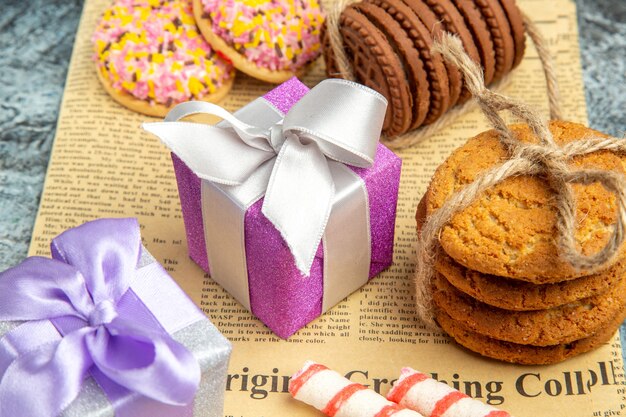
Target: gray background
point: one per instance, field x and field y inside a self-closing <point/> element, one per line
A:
<point x="36" y="39"/>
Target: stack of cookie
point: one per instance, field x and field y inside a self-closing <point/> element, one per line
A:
<point x="387" y="43"/>
<point x="500" y="288"/>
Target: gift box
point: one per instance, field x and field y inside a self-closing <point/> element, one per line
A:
<point x="102" y="330"/>
<point x="234" y="232"/>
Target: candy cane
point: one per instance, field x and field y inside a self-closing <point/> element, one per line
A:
<point x="432" y="398"/>
<point x="337" y="396"/>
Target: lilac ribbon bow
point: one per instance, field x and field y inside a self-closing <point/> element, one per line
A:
<point x="85" y="292"/>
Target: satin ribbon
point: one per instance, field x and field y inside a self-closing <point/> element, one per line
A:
<point x="106" y="331"/>
<point x="336" y="121"/>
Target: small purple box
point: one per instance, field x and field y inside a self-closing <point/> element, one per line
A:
<point x="280" y="295"/>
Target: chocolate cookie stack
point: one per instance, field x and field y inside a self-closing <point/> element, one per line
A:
<point x="501" y="289"/>
<point x="388" y="45"/>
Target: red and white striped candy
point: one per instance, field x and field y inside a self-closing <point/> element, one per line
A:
<point x="337" y="396"/>
<point x="432" y="398"/>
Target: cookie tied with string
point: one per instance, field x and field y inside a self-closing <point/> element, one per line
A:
<point x="509" y="229"/>
<point x="533" y="212"/>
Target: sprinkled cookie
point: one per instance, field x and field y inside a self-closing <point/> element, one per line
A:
<point x="510" y="229"/>
<point x="562" y="324"/>
<point x="526" y="354"/>
<point x="150" y="57"/>
<point x="518" y="295"/>
<point x="272" y="40"/>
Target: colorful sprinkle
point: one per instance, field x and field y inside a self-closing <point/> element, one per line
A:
<point x="143" y="47"/>
<point x="273" y="34"/>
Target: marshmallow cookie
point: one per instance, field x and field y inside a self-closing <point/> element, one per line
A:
<point x="271" y="40"/>
<point x="150" y="57"/>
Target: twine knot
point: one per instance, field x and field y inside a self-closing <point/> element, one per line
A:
<point x="544" y="158"/>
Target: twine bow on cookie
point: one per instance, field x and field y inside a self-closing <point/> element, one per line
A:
<point x="544" y="158"/>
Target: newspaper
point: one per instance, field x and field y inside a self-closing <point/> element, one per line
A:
<point x="104" y="165"/>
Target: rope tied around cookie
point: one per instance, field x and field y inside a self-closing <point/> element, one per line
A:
<point x="544" y="158"/>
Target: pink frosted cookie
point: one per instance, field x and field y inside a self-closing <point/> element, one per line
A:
<point x="150" y="56"/>
<point x="335" y="395"/>
<point x="271" y="40"/>
<point x="432" y="398"/>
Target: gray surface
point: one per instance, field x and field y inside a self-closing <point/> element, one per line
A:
<point x="36" y="39"/>
<point x="33" y="63"/>
<point x="602" y="29"/>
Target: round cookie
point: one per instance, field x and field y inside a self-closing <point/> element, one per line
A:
<point x="482" y="37"/>
<point x="435" y="70"/>
<point x="453" y="22"/>
<point x="375" y="65"/>
<point x="514" y="15"/>
<point x="518" y="295"/>
<point x="526" y="354"/>
<point x="409" y="56"/>
<point x="557" y="325"/>
<point x="501" y="35"/>
<point x="432" y="24"/>
<point x="271" y="40"/>
<point x="152" y="58"/>
<point x="510" y="229"/>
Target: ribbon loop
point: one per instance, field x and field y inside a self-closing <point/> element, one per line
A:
<point x="337" y="120"/>
<point x="344" y="118"/>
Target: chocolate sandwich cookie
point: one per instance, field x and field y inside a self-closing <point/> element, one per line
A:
<point x="434" y="26"/>
<point x="453" y="22"/>
<point x="420" y="36"/>
<point x="501" y="35"/>
<point x="562" y="324"/>
<point x="518" y="295"/>
<point x="408" y="55"/>
<point x="477" y="25"/>
<point x="510" y="228"/>
<point x="514" y="15"/>
<point x="376" y="65"/>
<point x="526" y="354"/>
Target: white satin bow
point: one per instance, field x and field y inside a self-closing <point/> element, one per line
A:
<point x="337" y="120"/>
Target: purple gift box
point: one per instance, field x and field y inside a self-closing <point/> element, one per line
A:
<point x="279" y="294"/>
